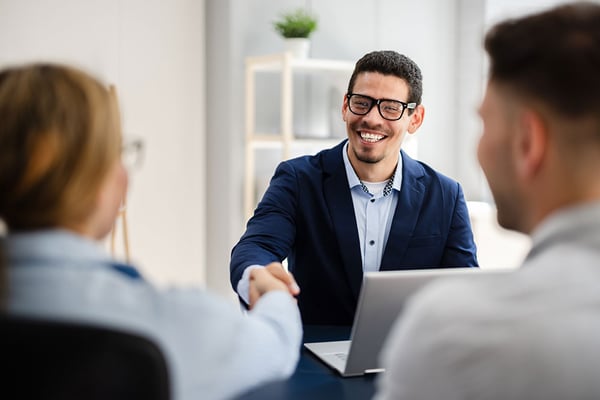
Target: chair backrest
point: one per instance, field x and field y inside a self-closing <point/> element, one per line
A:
<point x="60" y="360"/>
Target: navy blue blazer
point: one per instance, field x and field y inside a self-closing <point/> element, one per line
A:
<point x="307" y="215"/>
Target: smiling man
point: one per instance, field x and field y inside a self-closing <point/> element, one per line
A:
<point x="363" y="205"/>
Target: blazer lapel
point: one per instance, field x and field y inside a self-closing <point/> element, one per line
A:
<point x="406" y="214"/>
<point x="339" y="202"/>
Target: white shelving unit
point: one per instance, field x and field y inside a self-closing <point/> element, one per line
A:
<point x="287" y="66"/>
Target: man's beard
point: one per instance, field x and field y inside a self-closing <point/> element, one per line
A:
<point x="366" y="158"/>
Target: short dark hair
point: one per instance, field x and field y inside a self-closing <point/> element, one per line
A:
<point x="389" y="62"/>
<point x="552" y="57"/>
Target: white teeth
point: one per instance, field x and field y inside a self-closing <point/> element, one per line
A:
<point x="371" y="137"/>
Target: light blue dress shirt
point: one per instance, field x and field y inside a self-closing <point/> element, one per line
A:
<point x="213" y="351"/>
<point x="374" y="213"/>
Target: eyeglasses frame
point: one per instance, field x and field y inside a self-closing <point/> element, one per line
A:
<point x="410" y="106"/>
<point x="133" y="148"/>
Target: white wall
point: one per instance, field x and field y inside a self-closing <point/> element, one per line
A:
<point x="153" y="51"/>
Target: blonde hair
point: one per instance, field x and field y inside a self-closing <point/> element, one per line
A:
<point x="59" y="137"/>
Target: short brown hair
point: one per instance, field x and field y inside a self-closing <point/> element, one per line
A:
<point x="59" y="137"/>
<point x="552" y="57"/>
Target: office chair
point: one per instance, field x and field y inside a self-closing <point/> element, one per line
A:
<point x="60" y="360"/>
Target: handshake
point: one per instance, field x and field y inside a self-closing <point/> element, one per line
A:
<point x="271" y="277"/>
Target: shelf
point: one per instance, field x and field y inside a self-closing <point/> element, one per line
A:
<point x="276" y="62"/>
<point x="285" y="140"/>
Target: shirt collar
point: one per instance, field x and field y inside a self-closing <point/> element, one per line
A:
<point x="576" y="223"/>
<point x="353" y="180"/>
<point x="567" y="221"/>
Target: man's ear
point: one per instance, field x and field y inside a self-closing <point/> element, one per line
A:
<point x="416" y="119"/>
<point x="531" y="143"/>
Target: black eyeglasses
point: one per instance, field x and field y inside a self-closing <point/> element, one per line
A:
<point x="392" y="110"/>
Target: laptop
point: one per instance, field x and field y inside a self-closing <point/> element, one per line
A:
<point x="381" y="300"/>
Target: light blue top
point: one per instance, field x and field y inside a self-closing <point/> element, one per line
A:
<point x="213" y="350"/>
<point x="374" y="214"/>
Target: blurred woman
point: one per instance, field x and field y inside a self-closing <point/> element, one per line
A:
<point x="61" y="184"/>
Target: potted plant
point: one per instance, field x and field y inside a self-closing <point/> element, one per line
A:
<point x="296" y="28"/>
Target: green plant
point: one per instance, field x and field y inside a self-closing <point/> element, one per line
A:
<point x="296" y="24"/>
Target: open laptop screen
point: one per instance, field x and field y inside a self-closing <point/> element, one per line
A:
<point x="382" y="297"/>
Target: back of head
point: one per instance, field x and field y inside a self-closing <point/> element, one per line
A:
<point x="59" y="137"/>
<point x="552" y="58"/>
<point x="388" y="62"/>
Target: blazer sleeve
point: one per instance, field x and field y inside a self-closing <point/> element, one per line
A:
<point x="271" y="231"/>
<point x="460" y="247"/>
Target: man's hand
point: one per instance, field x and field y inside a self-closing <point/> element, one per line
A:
<point x="272" y="277"/>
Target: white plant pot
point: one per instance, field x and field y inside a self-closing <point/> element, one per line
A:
<point x="299" y="47"/>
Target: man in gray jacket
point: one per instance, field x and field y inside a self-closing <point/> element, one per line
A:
<point x="534" y="333"/>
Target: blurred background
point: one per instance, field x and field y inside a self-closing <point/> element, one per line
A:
<point x="179" y="71"/>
